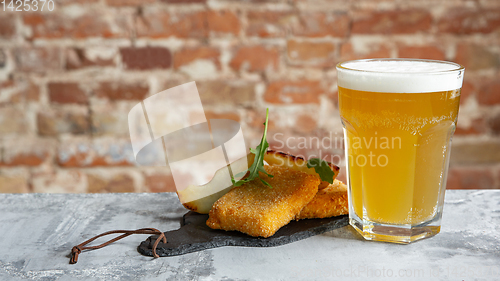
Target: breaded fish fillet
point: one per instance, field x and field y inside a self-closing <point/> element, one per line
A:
<point x="259" y="210"/>
<point x="328" y="202"/>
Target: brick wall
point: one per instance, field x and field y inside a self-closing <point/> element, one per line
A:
<point x="69" y="77"/>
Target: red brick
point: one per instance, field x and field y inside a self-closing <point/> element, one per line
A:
<point x="261" y="1"/>
<point x="122" y="91"/>
<point x="59" y="181"/>
<point x="118" y="183"/>
<point x="160" y="183"/>
<point x="27" y="152"/>
<point x="161" y="24"/>
<point x="13" y="120"/>
<point x="124" y="3"/>
<point x="95" y="153"/>
<point x="188" y="55"/>
<point x="5" y="88"/>
<point x="184" y="1"/>
<point x="110" y="118"/>
<point x="494" y="124"/>
<point x="477" y="127"/>
<point x="231" y="115"/>
<point x="478" y="152"/>
<point x="55" y="121"/>
<point x="146" y="58"/>
<point x="90" y="23"/>
<point x="475" y="57"/>
<point x="315" y="53"/>
<point x="497" y="172"/>
<point x="334" y="97"/>
<point x="7" y="25"/>
<point x="223" y="22"/>
<point x="421" y="52"/>
<point x="470" y="178"/>
<point x="19" y="91"/>
<point x="26" y="159"/>
<point x="77" y="58"/>
<point x="38" y="59"/>
<point x="225" y="92"/>
<point x="376" y="50"/>
<point x="66" y="93"/>
<point x="3" y="58"/>
<point x="289" y="92"/>
<point x="14" y="184"/>
<point x="319" y="24"/>
<point x="269" y="24"/>
<point x="255" y="58"/>
<point x="305" y="123"/>
<point x="174" y="82"/>
<point x="467" y="90"/>
<point x="392" y="22"/>
<point x="464" y="21"/>
<point x="489" y="93"/>
<point x="73" y="2"/>
<point x="255" y="119"/>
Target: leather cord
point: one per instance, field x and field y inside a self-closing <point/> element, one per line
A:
<point x="76" y="250"/>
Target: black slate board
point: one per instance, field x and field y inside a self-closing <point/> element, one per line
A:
<point x="194" y="235"/>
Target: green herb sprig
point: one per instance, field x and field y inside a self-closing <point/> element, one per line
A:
<point x="322" y="169"/>
<point x="258" y="163"/>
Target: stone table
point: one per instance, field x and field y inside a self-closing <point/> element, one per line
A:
<point x="38" y="231"/>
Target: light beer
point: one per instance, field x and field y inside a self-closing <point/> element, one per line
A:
<point x="398" y="118"/>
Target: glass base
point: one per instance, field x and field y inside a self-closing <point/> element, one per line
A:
<point x="403" y="234"/>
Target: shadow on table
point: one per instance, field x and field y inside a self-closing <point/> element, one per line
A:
<point x="346" y="232"/>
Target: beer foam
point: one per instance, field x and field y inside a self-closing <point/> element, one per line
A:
<point x="400" y="75"/>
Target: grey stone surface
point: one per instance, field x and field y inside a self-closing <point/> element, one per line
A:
<point x="38" y="230"/>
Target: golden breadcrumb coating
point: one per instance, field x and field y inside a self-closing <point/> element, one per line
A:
<point x="328" y="202"/>
<point x="259" y="210"/>
<point x="297" y="163"/>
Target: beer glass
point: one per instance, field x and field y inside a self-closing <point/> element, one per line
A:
<point x="398" y="117"/>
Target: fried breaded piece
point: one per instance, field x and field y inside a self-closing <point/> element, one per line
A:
<point x="328" y="202"/>
<point x="259" y="210"/>
<point x="297" y="163"/>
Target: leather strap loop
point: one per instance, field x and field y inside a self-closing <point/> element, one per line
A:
<point x="76" y="250"/>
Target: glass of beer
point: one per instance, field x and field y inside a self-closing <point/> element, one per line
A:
<point x="398" y="116"/>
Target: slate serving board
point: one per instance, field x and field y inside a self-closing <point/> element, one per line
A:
<point x="194" y="235"/>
